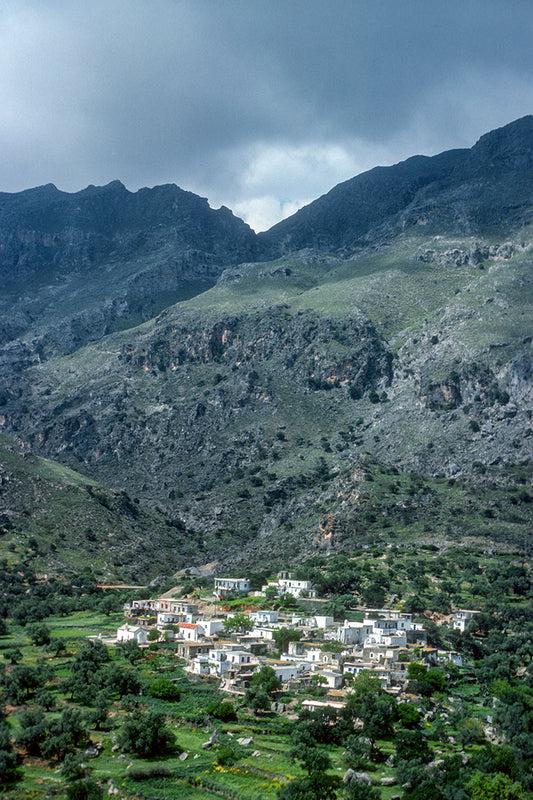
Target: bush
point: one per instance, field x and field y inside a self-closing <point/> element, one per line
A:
<point x="157" y="771"/>
<point x="164" y="689"/>
<point x="145" y="733"/>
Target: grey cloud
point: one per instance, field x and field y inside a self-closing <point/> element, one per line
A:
<point x="192" y="91"/>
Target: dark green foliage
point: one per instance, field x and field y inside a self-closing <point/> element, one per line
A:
<point x="146" y="734"/>
<point x="257" y="698"/>
<point x="222" y="709"/>
<point x="164" y="689"/>
<point x="39" y="633"/>
<point x="315" y="787"/>
<point x="64" y="734"/>
<point x="22" y="682"/>
<point x="8" y="757"/>
<point x="98" y="715"/>
<point x="266" y="679"/>
<point x="358" y="751"/>
<point x="408" y="715"/>
<point x="494" y="787"/>
<point x="322" y="726"/>
<point x="130" y="650"/>
<point x="32" y="730"/>
<point x="238" y="622"/>
<point x="359" y="790"/>
<point x="282" y="637"/>
<point x="411" y="745"/>
<point x="425" y="681"/>
<point x="145" y="773"/>
<point x="225" y="756"/>
<point x="84" y="789"/>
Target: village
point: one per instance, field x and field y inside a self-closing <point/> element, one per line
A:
<point x="303" y="649"/>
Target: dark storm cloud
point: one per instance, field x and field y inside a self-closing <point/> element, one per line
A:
<point x="259" y="105"/>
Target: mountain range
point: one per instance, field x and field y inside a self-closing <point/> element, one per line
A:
<point x="177" y="390"/>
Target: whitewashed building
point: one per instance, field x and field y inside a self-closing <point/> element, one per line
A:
<point x="224" y="586"/>
<point x="128" y="633"/>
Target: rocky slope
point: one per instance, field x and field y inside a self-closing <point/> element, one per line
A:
<point x="256" y="418"/>
<point x="472" y="191"/>
<point x="76" y="266"/>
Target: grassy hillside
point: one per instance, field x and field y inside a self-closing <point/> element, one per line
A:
<point x="63" y="522"/>
<point x="251" y="415"/>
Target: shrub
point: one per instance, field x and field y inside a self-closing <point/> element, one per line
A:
<point x="164" y="689"/>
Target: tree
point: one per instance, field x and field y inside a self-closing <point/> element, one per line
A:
<point x="271" y="592"/>
<point x="317" y="787"/>
<point x="257" y="699"/>
<point x="56" y="646"/>
<point x="39" y="633"/>
<point x="494" y="787"/>
<point x="98" y="714"/>
<point x="64" y="734"/>
<point x="119" y="680"/>
<point x="411" y="746"/>
<point x="14" y="655"/>
<point x="426" y="681"/>
<point x="282" y="637"/>
<point x="108" y="604"/>
<point x="239" y="623"/>
<point x="145" y="733"/>
<point x="373" y="707"/>
<point x="164" y="689"/>
<point x="357" y="751"/>
<point x="8" y="757"/>
<point x="408" y="714"/>
<point x="84" y="789"/>
<point x="22" y="682"/>
<point x="263" y="685"/>
<point x="316" y="761"/>
<point x="45" y="699"/>
<point x="32" y="730"/>
<point x="360" y="790"/>
<point x="267" y="679"/>
<point x="470" y="731"/>
<point x="130" y="650"/>
<point x="222" y="709"/>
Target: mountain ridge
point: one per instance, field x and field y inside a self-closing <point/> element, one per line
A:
<point x="252" y="414"/>
<point x="415" y="175"/>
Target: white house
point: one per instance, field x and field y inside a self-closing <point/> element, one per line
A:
<point x="190" y="631"/>
<point x="314" y="705"/>
<point x="354" y="632"/>
<point x="286" y="584"/>
<point x="218" y="662"/>
<point x="131" y="632"/>
<point x="330" y="678"/>
<point x="461" y="619"/>
<point x="450" y="655"/>
<point x="174" y="605"/>
<point x="264" y="617"/>
<point x="238" y="657"/>
<point x="200" y="665"/>
<point x="170" y="618"/>
<point x="211" y="626"/>
<point x="285" y="670"/>
<point x="262" y="632"/>
<point x="322" y="621"/>
<point x="224" y="586"/>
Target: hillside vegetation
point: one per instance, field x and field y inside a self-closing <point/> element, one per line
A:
<point x="390" y="335"/>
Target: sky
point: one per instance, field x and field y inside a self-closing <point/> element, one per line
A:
<point x="259" y="105"/>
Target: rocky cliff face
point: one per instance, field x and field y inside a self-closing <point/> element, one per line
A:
<point x="77" y="266"/>
<point x="456" y="192"/>
<point x="248" y="417"/>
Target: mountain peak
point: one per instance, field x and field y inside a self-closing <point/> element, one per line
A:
<point x="435" y="190"/>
